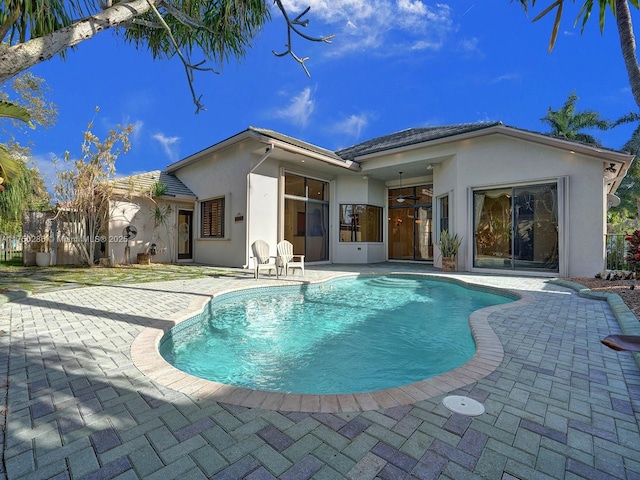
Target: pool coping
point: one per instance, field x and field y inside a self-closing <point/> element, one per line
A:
<point x="489" y="355"/>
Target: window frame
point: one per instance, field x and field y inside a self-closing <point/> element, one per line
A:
<point x="444" y="218"/>
<point x="560" y="217"/>
<point x="221" y="220"/>
<point x="354" y="207"/>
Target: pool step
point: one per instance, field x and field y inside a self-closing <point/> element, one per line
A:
<point x="393" y="282"/>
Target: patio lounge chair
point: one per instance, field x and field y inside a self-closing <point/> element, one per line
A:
<point x="620" y="343"/>
<point x="287" y="259"/>
<point x="262" y="260"/>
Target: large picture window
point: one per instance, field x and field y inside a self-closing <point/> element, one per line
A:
<point x="360" y="223"/>
<point x="212" y="218"/>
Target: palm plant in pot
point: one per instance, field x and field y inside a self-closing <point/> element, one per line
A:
<point x="449" y="245"/>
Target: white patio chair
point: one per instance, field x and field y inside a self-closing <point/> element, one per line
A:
<point x="262" y="260"/>
<point x="287" y="259"/>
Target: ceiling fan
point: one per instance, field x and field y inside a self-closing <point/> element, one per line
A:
<point x="401" y="198"/>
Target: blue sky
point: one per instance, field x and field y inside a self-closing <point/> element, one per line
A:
<point x="394" y="64"/>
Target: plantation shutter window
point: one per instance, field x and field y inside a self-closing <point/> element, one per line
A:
<point x="213" y="218"/>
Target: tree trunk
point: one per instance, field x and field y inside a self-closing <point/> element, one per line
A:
<point x="628" y="47"/>
<point x="20" y="57"/>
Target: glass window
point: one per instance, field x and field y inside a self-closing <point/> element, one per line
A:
<point x="212" y="218"/>
<point x="444" y="213"/>
<point x="306" y="216"/>
<point x="294" y="185"/>
<point x="318" y="190"/>
<point x="360" y="223"/>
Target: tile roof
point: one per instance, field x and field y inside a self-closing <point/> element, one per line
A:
<point x="144" y="182"/>
<point x="409" y="137"/>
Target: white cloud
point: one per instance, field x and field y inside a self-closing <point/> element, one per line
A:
<point x="299" y="110"/>
<point x="352" y="125"/>
<point x="416" y="7"/>
<point x="470" y="46"/>
<point x="169" y="145"/>
<point x="507" y="77"/>
<point x="425" y="45"/>
<point x="362" y="25"/>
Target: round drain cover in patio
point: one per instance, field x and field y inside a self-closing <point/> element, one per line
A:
<point x="463" y="405"/>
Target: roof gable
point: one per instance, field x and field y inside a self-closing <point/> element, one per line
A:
<point x="411" y="136"/>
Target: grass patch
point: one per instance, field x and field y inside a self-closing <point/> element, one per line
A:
<point x="37" y="279"/>
<point x="12" y="262"/>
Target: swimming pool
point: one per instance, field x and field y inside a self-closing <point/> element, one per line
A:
<point x="347" y="335"/>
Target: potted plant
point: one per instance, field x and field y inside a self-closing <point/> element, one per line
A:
<point x="449" y="245"/>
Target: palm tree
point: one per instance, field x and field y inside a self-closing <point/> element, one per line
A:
<point x="214" y="29"/>
<point x="9" y="166"/>
<point x="567" y="123"/>
<point x="620" y="10"/>
<point x="629" y="189"/>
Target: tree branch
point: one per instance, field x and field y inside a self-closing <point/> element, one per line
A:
<point x="188" y="66"/>
<point x="20" y="57"/>
<point x="293" y="26"/>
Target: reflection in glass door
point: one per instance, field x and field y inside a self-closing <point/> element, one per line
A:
<point x="410" y="224"/>
<point x="185" y="235"/>
<point x="517" y="228"/>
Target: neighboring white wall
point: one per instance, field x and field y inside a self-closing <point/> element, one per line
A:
<point x="124" y="213"/>
<point x="139" y="213"/>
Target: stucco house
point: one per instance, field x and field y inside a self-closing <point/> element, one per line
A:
<point x="523" y="202"/>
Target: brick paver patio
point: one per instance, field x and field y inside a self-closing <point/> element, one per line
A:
<point x="559" y="404"/>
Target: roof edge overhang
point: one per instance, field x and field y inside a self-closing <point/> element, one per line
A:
<point x="602" y="153"/>
<point x="252" y="134"/>
<point x="346" y="164"/>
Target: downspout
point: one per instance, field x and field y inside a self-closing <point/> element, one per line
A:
<point x="267" y="154"/>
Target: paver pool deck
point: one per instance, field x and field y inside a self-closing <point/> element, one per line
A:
<point x="82" y="400"/>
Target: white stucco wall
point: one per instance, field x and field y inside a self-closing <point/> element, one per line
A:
<point x="221" y="174"/>
<point x="499" y="160"/>
<point x="139" y="213"/>
<point x="263" y="208"/>
<point x="125" y="213"/>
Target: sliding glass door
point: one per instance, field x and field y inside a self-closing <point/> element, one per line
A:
<point x="410" y="225"/>
<point x="516" y="228"/>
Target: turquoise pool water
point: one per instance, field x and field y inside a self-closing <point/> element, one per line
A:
<point x="349" y="335"/>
